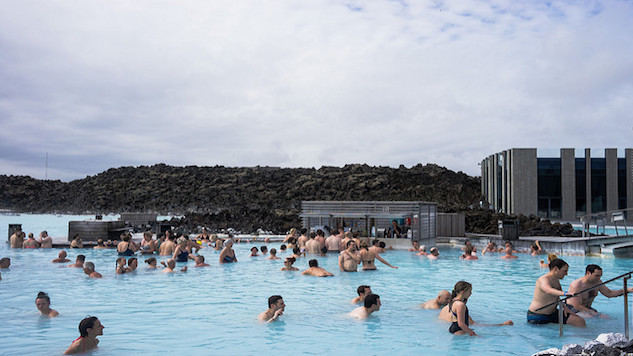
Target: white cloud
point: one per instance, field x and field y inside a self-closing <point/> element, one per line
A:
<point x="311" y="83"/>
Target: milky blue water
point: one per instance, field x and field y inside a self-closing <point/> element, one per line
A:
<point x="213" y="310"/>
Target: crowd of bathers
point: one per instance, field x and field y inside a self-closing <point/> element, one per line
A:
<point x="352" y="252"/>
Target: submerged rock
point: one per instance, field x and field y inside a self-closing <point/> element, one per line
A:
<point x="608" y="344"/>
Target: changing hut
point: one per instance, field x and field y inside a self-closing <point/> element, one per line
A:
<point x="416" y="219"/>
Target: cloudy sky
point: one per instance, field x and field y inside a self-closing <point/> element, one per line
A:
<point x="101" y="84"/>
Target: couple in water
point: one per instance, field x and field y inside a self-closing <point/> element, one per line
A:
<point x="351" y="257"/>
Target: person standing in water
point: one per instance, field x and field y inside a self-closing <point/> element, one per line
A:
<point x="89" y="329"/>
<point x="43" y="304"/>
<point x="276" y="307"/>
<point x="370" y="304"/>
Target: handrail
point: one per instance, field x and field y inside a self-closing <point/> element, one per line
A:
<point x="586" y="290"/>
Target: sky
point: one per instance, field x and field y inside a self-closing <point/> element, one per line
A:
<point x="90" y="85"/>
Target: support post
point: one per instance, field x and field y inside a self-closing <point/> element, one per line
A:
<point x="560" y="318"/>
<point x="626" y="307"/>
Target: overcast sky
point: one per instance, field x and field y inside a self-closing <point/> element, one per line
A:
<point x="102" y="84"/>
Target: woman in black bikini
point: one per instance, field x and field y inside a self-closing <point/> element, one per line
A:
<point x="459" y="311"/>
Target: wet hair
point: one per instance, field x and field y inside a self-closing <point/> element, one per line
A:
<point x="296" y="250"/>
<point x="120" y="259"/>
<point x="4" y="260"/>
<point x="81" y="258"/>
<point x="313" y="263"/>
<point x="273" y="251"/>
<point x="273" y="299"/>
<point x="551" y="257"/>
<point x="89" y="265"/>
<point x="592" y="268"/>
<point x="350" y="242"/>
<point x="334" y="232"/>
<point x="312" y="235"/>
<point x="320" y="232"/>
<point x="150" y="260"/>
<point x="361" y="289"/>
<point x="254" y="248"/>
<point x="263" y="249"/>
<point x="201" y="258"/>
<point x="45" y="233"/>
<point x="31" y="235"/>
<point x="99" y="242"/>
<point x="382" y="244"/>
<point x="364" y="245"/>
<point x="371" y="299"/>
<point x="459" y="287"/>
<point x="469" y="250"/>
<point x="131" y="260"/>
<point x="291" y="259"/>
<point x="42" y="295"/>
<point x="557" y="263"/>
<point x="282" y="247"/>
<point x="148" y="234"/>
<point x="375" y="242"/>
<point x="125" y="237"/>
<point x="75" y="237"/>
<point x="87" y="323"/>
<point x="303" y="231"/>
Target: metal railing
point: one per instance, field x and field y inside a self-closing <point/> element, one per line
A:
<point x="560" y="302"/>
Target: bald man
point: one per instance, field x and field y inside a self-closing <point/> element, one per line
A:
<point x="442" y="299"/>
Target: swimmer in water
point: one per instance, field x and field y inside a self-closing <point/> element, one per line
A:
<point x="491" y="247"/>
<point x="43" y="304"/>
<point x="422" y="251"/>
<point x="415" y="246"/>
<point x="151" y="262"/>
<point x="368" y="256"/>
<point x="363" y="292"/>
<point x="171" y="264"/>
<point x="442" y="299"/>
<point x="228" y="254"/>
<point x="316" y="271"/>
<point x="61" y="257"/>
<point x="582" y="301"/>
<point x="535" y="248"/>
<point x="273" y="254"/>
<point x="79" y="262"/>
<point x="120" y="265"/>
<point x="254" y="251"/>
<point x="5" y="262"/>
<point x="551" y="257"/>
<point x="508" y="250"/>
<point x="89" y="329"/>
<point x="434" y="254"/>
<point x="288" y="264"/>
<point x="89" y="269"/>
<point x="370" y="304"/>
<point x="459" y="317"/>
<point x="132" y="264"/>
<point x="350" y="258"/>
<point x="264" y="250"/>
<point x="45" y="240"/>
<point x="200" y="262"/>
<point x="468" y="254"/>
<point x="276" y="307"/>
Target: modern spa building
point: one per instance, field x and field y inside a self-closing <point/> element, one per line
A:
<point x="516" y="181"/>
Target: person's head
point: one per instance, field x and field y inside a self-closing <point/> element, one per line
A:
<point x="151" y="261"/>
<point x="99" y="242"/>
<point x="349" y="235"/>
<point x="372" y="301"/>
<point x="423" y="248"/>
<point x="312" y="235"/>
<point x="462" y="288"/>
<point x="382" y="244"/>
<point x="125" y="237"/>
<point x="508" y="244"/>
<point x="44" y="233"/>
<point x="276" y="302"/>
<point x="76" y="237"/>
<point x="182" y="241"/>
<point x="43" y="302"/>
<point x="320" y="232"/>
<point x="375" y="242"/>
<point x="593" y="272"/>
<point x="415" y="244"/>
<point x="132" y="262"/>
<point x="31" y="237"/>
<point x="62" y="254"/>
<point x="363" y="290"/>
<point x="199" y="259"/>
<point x="254" y="250"/>
<point x="351" y="244"/>
<point x="559" y="268"/>
<point x="434" y="251"/>
<point x="147" y="235"/>
<point x="443" y="298"/>
<point x="282" y="247"/>
<point x="313" y="263"/>
<point x="5" y="262"/>
<point x="296" y="251"/>
<point x="171" y="263"/>
<point x="90" y="326"/>
<point x="289" y="261"/>
<point x="264" y="249"/>
<point x="363" y="245"/>
<point x="469" y="250"/>
<point x="228" y="243"/>
<point x="303" y="231"/>
<point x="273" y="251"/>
<point x="293" y="231"/>
<point x="121" y="261"/>
<point x="551" y="257"/>
<point x="394" y="223"/>
<point x="89" y="267"/>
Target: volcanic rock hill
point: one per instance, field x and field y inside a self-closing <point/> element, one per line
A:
<point x="245" y="199"/>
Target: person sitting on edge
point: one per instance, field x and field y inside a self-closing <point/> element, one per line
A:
<point x="508" y="250"/>
<point x="200" y="262"/>
<point x="363" y="292"/>
<point x="288" y="264"/>
<point x="264" y="250"/>
<point x="582" y="302"/>
<point x="543" y="308"/>
<point x="45" y="240"/>
<point x="349" y="259"/>
<point x="5" y="262"/>
<point x="422" y="251"/>
<point x="415" y="246"/>
<point x="76" y="242"/>
<point x="228" y="254"/>
<point x="171" y="264"/>
<point x="434" y="253"/>
<point x="468" y="254"/>
<point x="316" y="271"/>
<point x="254" y="251"/>
<point x="370" y="304"/>
<point x="79" y="262"/>
<point x="17" y="238"/>
<point x="89" y="269"/>
<point x="535" y="248"/>
<point x="61" y="257"/>
<point x="442" y="299"/>
<point x="273" y="254"/>
<point x="100" y="245"/>
<point x="276" y="307"/>
<point x="551" y="257"/>
<point x="151" y="262"/>
<point x="31" y="242"/>
<point x="491" y="247"/>
<point x="43" y="304"/>
<point x="89" y="329"/>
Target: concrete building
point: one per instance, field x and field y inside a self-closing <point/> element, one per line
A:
<point x="516" y="181"/>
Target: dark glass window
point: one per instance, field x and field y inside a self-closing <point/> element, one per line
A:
<point x="581" y="187"/>
<point x="621" y="183"/>
<point x="549" y="187"/>
<point x="598" y="185"/>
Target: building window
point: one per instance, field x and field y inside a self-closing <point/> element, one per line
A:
<point x="581" y="188"/>
<point x="621" y="183"/>
<point x="598" y="185"/>
<point x="549" y="187"/>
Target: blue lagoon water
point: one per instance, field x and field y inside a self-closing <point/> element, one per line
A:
<point x="213" y="310"/>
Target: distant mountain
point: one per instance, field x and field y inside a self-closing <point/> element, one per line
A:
<point x="243" y="198"/>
